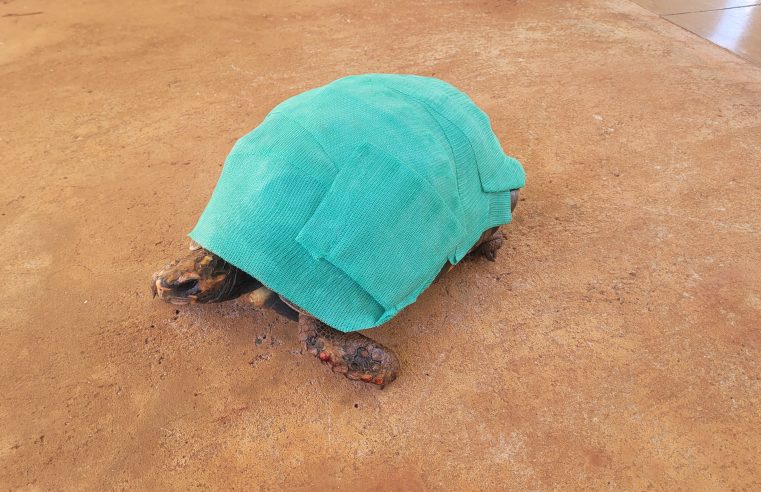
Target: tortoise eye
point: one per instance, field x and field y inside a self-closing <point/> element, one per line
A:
<point x="188" y="286"/>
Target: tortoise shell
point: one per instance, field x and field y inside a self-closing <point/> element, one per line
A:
<point x="349" y="198"/>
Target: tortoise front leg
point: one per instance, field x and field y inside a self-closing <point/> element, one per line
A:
<point x="351" y="354"/>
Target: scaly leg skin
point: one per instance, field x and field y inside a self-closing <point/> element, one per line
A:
<point x="488" y="247"/>
<point x="351" y="354"/>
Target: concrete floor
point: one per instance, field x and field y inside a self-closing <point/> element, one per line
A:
<point x="614" y="344"/>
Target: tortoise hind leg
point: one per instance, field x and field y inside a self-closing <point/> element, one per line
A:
<point x="351" y="354"/>
<point x="489" y="245"/>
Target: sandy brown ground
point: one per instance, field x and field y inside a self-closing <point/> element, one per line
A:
<point x="614" y="344"/>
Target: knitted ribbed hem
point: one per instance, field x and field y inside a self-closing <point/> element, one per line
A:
<point x="499" y="210"/>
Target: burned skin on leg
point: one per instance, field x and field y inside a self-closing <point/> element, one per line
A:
<point x="352" y="354"/>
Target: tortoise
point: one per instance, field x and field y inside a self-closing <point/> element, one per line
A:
<point x="344" y="205"/>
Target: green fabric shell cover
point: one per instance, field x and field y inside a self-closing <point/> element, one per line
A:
<point x="348" y="199"/>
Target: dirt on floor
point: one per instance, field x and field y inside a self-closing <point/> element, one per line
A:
<point x="614" y="344"/>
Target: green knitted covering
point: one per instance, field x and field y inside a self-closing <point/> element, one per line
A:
<point x="348" y="199"/>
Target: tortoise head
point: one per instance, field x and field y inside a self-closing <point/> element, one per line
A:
<point x="201" y="277"/>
